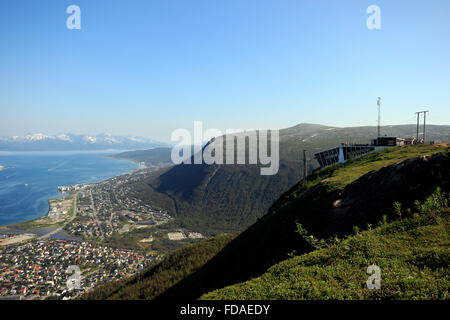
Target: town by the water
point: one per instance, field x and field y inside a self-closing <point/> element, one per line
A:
<point x="102" y="229"/>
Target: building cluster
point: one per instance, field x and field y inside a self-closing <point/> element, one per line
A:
<point x="181" y="235"/>
<point x="34" y="268"/>
<point x="38" y="269"/>
<point x="347" y="151"/>
<point x="109" y="206"/>
<point x="68" y="189"/>
<point x="59" y="207"/>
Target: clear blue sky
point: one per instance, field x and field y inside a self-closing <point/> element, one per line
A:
<point x="148" y="67"/>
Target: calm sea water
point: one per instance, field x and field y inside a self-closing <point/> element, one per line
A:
<point x="44" y="172"/>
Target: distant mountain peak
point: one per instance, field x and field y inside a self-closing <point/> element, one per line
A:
<point x="64" y="137"/>
<point x="37" y="137"/>
<point x="68" y="141"/>
<point x="90" y="139"/>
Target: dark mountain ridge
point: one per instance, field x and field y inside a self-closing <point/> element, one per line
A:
<point x="326" y="210"/>
<point x="334" y="201"/>
<point x="229" y="198"/>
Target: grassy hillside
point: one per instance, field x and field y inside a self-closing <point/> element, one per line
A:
<point x="158" y="278"/>
<point x="413" y="256"/>
<point x="229" y="198"/>
<point x="334" y="201"/>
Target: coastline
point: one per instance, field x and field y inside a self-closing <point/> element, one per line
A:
<point x="22" y="225"/>
<point x="41" y="228"/>
<point x="39" y="224"/>
<point x="142" y="165"/>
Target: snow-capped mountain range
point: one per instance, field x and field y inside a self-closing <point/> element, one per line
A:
<point x="67" y="142"/>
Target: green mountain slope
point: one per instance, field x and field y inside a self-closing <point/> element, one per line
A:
<point x="229" y="198"/>
<point x="335" y="200"/>
<point x="413" y="256"/>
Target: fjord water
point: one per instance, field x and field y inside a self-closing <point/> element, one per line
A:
<point x="43" y="173"/>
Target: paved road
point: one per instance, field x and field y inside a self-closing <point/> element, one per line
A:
<point x="95" y="215"/>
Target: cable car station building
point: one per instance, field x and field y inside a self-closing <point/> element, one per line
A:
<point x="350" y="151"/>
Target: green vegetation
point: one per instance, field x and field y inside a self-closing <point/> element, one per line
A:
<point x="339" y="178"/>
<point x="377" y="160"/>
<point x="35" y="224"/>
<point x="335" y="206"/>
<point x="158" y="278"/>
<point x="413" y="255"/>
<point x="326" y="208"/>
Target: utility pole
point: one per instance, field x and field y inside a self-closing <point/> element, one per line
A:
<point x="305" y="173"/>
<point x="424" y="124"/>
<point x="417" y="137"/>
<point x="379" y="121"/>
